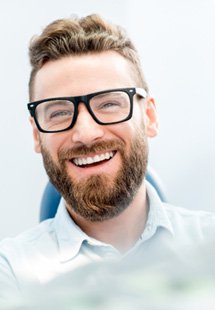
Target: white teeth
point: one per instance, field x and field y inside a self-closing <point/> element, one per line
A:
<point x="107" y="156"/>
<point x="102" y="157"/>
<point x="84" y="161"/>
<point x="91" y="160"/>
<point x="96" y="158"/>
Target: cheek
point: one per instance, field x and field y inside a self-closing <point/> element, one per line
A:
<point x="138" y="115"/>
<point x="52" y="142"/>
<point x="125" y="132"/>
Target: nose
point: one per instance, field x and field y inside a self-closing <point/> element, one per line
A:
<point x="86" y="130"/>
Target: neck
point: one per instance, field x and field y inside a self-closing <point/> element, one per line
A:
<point x="122" y="231"/>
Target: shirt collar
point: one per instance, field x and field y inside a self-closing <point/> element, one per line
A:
<point x="157" y="216"/>
<point x="70" y="237"/>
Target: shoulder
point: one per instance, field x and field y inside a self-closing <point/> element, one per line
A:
<point x="188" y="214"/>
<point x="18" y="255"/>
<point x="197" y="224"/>
<point x="28" y="238"/>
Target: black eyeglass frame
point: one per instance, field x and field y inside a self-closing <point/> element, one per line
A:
<point x="76" y="100"/>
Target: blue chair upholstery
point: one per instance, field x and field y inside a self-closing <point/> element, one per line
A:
<point x="51" y="197"/>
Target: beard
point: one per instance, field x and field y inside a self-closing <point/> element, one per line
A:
<point x="97" y="197"/>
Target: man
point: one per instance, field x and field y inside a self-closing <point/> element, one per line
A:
<point x="92" y="115"/>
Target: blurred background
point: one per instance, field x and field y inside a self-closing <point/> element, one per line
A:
<point x="176" y="41"/>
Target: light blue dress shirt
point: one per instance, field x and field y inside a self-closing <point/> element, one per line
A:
<point x="58" y="246"/>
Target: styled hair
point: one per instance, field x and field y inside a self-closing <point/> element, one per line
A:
<point x="78" y="36"/>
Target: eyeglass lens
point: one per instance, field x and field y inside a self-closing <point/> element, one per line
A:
<point x="106" y="107"/>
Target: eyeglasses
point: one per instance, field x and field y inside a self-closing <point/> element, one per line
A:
<point x="106" y="107"/>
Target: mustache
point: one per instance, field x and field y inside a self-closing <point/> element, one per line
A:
<point x="102" y="146"/>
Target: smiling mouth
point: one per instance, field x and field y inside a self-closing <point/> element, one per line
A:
<point x="90" y="161"/>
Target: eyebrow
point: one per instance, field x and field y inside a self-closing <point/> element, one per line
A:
<point x="115" y="94"/>
<point x="49" y="104"/>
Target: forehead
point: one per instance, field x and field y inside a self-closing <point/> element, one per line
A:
<point x="83" y="74"/>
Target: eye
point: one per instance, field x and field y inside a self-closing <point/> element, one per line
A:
<point x="109" y="105"/>
<point x="60" y="114"/>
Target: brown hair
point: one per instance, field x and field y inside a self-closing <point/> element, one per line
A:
<point x="75" y="36"/>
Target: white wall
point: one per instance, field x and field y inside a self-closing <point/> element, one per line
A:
<point x="177" y="46"/>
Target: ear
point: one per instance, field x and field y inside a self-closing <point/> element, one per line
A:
<point x="151" y="117"/>
<point x="36" y="136"/>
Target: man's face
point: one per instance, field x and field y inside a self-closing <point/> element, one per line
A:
<point x="101" y="190"/>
